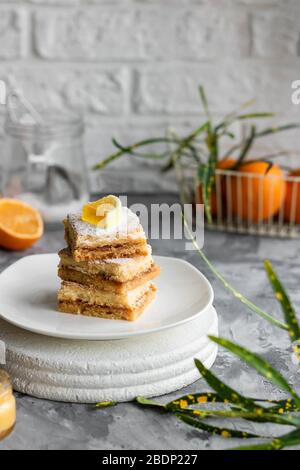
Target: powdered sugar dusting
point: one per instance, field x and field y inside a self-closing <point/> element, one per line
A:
<point x="129" y="224"/>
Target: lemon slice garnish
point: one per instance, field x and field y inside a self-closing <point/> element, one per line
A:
<point x="105" y="213"/>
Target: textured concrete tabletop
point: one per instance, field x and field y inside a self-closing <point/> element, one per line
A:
<point x="49" y="425"/>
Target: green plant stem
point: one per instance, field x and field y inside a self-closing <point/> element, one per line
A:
<point x="230" y="288"/>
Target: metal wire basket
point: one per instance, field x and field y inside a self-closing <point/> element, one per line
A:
<point x="248" y="203"/>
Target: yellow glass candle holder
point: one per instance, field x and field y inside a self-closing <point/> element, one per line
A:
<point x="7" y="405"/>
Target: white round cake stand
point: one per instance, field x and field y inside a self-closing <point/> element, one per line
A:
<point x="119" y="370"/>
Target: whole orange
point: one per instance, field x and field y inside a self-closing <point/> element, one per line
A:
<point x="214" y="203"/>
<point x="292" y="199"/>
<point x="257" y="191"/>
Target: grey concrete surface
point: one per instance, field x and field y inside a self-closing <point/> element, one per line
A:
<point x="49" y="425"/>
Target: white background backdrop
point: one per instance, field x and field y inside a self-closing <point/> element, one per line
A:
<point x="133" y="67"/>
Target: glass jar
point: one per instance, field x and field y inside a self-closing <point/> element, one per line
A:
<point x="43" y="164"/>
<point x="7" y="405"/>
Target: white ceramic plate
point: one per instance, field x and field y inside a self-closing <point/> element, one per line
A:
<point x="28" y="291"/>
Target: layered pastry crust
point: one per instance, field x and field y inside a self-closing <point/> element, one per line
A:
<point x="129" y="312"/>
<point x="98" y="281"/>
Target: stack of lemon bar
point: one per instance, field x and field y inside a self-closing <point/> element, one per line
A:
<point x="107" y="268"/>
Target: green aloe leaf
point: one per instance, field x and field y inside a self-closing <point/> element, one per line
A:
<point x="214" y="430"/>
<point x="195" y="154"/>
<point x="275" y="129"/>
<point x="168" y="166"/>
<point x="105" y="404"/>
<point x="262" y="366"/>
<point x="231" y="117"/>
<point x="106" y="161"/>
<point x="242" y="117"/>
<point x="245" y="148"/>
<point x="206" y="173"/>
<point x="199" y="130"/>
<point x="228" y="394"/>
<point x="204" y="101"/>
<point x="201" y="398"/>
<point x="127" y="150"/>
<point x="185" y="145"/>
<point x="195" y="399"/>
<point x="206" y="178"/>
<point x="258" y="416"/>
<point x="258" y="134"/>
<point x="287" y="440"/>
<point x="283" y="406"/>
<point x="146" y="402"/>
<point x="229" y="134"/>
<point x="283" y="299"/>
<point x="131" y="150"/>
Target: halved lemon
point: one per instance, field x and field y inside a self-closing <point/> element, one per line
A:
<point x="20" y="224"/>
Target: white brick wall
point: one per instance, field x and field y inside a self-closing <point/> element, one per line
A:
<point x="13" y="32"/>
<point x="133" y="67"/>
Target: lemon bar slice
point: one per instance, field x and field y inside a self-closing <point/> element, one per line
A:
<point x="113" y="269"/>
<point x="80" y="300"/>
<point x="97" y="281"/>
<point x="89" y="242"/>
